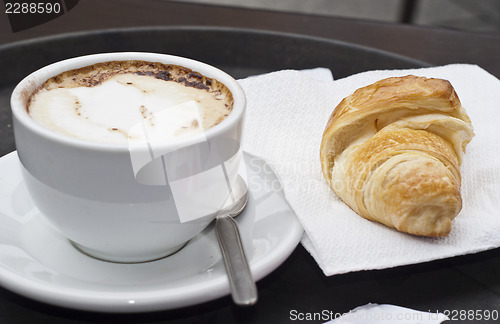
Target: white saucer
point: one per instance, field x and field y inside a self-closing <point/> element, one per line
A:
<point x="38" y="262"/>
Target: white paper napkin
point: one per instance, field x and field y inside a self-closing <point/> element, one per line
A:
<point x="286" y="115"/>
<point x="381" y="314"/>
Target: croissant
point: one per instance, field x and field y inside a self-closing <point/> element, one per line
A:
<point x="392" y="152"/>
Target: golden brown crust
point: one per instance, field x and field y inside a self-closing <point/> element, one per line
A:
<point x="392" y="152"/>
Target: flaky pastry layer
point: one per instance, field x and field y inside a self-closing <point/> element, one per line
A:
<point x="392" y="152"/>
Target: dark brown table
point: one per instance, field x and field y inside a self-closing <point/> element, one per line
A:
<point x="466" y="283"/>
<point x="433" y="45"/>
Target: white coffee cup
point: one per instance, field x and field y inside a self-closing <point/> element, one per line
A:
<point x="128" y="203"/>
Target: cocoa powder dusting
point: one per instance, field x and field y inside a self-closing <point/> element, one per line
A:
<point x="96" y="74"/>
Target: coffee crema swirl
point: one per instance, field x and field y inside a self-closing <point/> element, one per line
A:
<point x="123" y="101"/>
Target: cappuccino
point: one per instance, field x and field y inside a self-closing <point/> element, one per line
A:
<point x="124" y="101"/>
<point x="116" y="199"/>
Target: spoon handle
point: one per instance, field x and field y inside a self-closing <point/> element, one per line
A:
<point x="243" y="288"/>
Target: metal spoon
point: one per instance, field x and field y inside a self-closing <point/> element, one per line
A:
<point x="243" y="288"/>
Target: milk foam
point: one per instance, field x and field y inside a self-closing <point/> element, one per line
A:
<point x="128" y="107"/>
